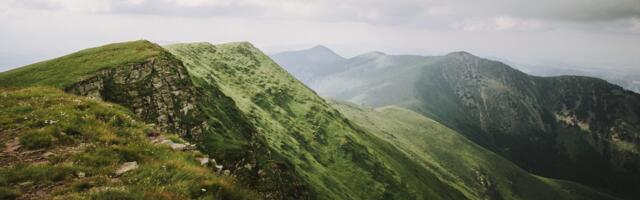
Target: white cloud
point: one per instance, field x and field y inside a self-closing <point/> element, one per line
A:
<point x="505" y="23"/>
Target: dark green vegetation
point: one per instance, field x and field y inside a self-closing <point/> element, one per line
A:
<point x="457" y="160"/>
<point x="270" y="132"/>
<point x="57" y="145"/>
<point x="577" y="128"/>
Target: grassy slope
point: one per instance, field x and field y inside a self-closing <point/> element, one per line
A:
<point x="94" y="138"/>
<point x="511" y="113"/>
<point x="63" y="71"/>
<point x="228" y="133"/>
<point x="457" y="159"/>
<point x="336" y="159"/>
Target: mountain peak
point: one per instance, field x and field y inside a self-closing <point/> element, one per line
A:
<point x="463" y="54"/>
<point x="372" y="54"/>
<point x="320" y="47"/>
<point x="325" y="51"/>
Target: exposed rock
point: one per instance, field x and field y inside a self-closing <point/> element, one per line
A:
<point x="125" y="167"/>
<point x="157" y="90"/>
<point x="216" y="165"/>
<point x="47" y="154"/>
<point x="12" y="145"/>
<point x="177" y="146"/>
<point x="203" y="161"/>
<point x="80" y="174"/>
<point x="248" y="166"/>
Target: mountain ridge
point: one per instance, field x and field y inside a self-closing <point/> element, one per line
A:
<point x="530" y="120"/>
<point x="266" y="129"/>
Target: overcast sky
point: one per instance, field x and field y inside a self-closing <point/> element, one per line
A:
<point x="589" y="33"/>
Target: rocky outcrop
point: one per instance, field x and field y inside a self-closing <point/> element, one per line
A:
<point x="157" y="90"/>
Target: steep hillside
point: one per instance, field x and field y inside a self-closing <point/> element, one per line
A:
<point x="468" y="166"/>
<point x="336" y="159"/>
<point x="310" y="64"/>
<point x="158" y="89"/>
<point x="563" y="127"/>
<point x="61" y="146"/>
<point x="582" y="129"/>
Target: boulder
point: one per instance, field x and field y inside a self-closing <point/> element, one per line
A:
<point x="125" y="167"/>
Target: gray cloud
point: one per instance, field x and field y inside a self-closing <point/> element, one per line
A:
<point x="591" y="32"/>
<point x="370" y="11"/>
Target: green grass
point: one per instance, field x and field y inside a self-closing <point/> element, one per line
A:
<point x="37" y="139"/>
<point x="333" y="158"/>
<point x="458" y="160"/>
<point x="95" y="138"/>
<point x="509" y="112"/>
<point x="66" y="70"/>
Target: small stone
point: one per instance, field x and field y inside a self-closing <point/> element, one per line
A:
<point x="125" y="167"/>
<point x="12" y="145"/>
<point x="25" y="183"/>
<point x="178" y="147"/>
<point x="204" y="190"/>
<point x="173" y="145"/>
<point x="203" y="161"/>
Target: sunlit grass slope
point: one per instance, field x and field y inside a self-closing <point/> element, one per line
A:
<point x="66" y="70"/>
<point x="61" y="146"/>
<point x="336" y="159"/>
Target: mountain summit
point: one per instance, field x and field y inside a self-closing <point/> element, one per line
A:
<point x="308" y="64"/>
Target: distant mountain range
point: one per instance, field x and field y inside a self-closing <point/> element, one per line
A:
<point x="628" y="78"/>
<point x="309" y="64"/>
<point x="571" y="127"/>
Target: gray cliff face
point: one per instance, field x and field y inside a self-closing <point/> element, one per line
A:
<point x="158" y="90"/>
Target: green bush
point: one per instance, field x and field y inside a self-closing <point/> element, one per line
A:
<point x="37" y="139"/>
